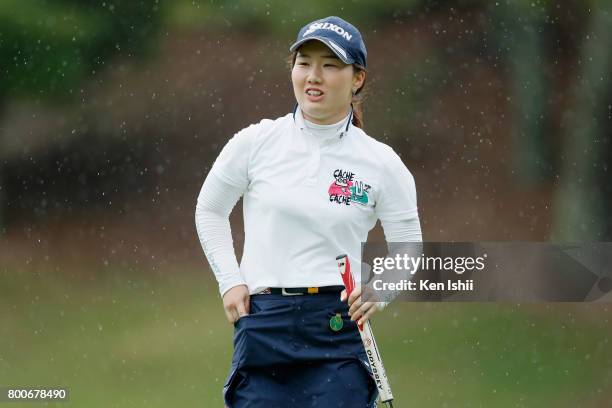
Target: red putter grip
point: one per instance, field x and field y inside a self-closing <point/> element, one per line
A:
<point x="347" y="277"/>
<point x="345" y="271"/>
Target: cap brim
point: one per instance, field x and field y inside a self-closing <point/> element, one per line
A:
<point x="336" y="49"/>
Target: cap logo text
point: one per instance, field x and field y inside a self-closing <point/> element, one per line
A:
<point x="328" y="26"/>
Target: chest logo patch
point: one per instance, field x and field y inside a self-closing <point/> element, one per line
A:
<point x="346" y="189"/>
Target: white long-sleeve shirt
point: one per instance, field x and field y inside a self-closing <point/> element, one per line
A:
<point x="311" y="192"/>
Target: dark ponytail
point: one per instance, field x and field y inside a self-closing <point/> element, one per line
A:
<point x="357" y="99"/>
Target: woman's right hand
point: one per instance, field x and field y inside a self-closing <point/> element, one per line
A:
<point x="236" y="303"/>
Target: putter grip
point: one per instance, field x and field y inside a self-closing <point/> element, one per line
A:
<point x="347" y="277"/>
<point x="345" y="271"/>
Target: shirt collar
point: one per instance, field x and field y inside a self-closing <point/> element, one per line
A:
<point x="298" y="119"/>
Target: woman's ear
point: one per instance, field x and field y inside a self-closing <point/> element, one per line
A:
<point x="358" y="80"/>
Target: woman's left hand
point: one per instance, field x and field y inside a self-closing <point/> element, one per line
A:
<point x="359" y="310"/>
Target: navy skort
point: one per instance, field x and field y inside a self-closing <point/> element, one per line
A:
<point x="287" y="355"/>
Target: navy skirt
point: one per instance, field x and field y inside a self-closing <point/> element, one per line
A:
<point x="298" y="351"/>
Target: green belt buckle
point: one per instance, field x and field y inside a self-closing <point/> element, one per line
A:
<point x="336" y="323"/>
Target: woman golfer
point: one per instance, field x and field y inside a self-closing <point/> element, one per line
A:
<point x="314" y="183"/>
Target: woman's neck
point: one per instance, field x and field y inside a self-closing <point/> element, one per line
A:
<point x="313" y="125"/>
<point x="324" y="131"/>
<point x="327" y="121"/>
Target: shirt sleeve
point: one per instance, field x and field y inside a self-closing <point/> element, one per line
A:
<point x="397" y="200"/>
<point x="232" y="164"/>
<point x="226" y="182"/>
<point x="408" y="230"/>
<point x="396" y="207"/>
<point x="214" y="205"/>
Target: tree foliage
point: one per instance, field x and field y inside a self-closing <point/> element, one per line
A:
<point x="47" y="48"/>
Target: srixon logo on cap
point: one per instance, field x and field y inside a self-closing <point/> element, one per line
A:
<point x="328" y="26"/>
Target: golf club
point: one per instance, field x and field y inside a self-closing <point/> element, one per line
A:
<point x="367" y="337"/>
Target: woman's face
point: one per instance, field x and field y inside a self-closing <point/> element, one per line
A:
<point x="323" y="84"/>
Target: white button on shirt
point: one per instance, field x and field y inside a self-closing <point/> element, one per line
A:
<point x="309" y="195"/>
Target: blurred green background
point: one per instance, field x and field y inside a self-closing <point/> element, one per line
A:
<point x="111" y="113"/>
